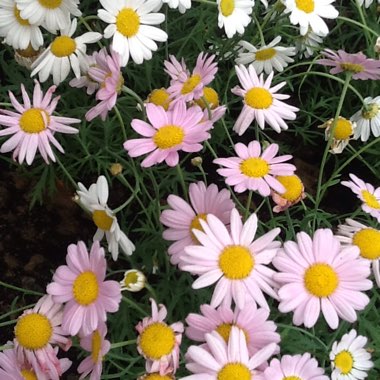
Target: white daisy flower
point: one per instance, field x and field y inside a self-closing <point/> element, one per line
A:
<point x="307" y="45"/>
<point x="51" y="14"/>
<point x="181" y="5"/>
<point x="234" y="15"/>
<point x="95" y="200"/>
<point x="309" y="13"/>
<point x="133" y="280"/>
<point x="64" y="53"/>
<point x="268" y="58"/>
<point x="368" y="119"/>
<point x="349" y="359"/>
<point x="18" y="32"/>
<point x="130" y="25"/>
<point x="364" y="237"/>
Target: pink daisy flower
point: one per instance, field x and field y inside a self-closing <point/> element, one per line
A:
<point x="233" y="260"/>
<point x="253" y="170"/>
<point x="33" y="125"/>
<point x="261" y="102"/>
<point x="168" y="132"/>
<point x="182" y="217"/>
<point x="253" y="321"/>
<point x="185" y="86"/>
<point x="98" y="346"/>
<point x="295" y="367"/>
<point x="159" y="343"/>
<point x="226" y="360"/>
<point x="358" y="64"/>
<point x="106" y="72"/>
<point x="81" y="284"/>
<point x="367" y="194"/>
<point x="317" y="274"/>
<point x="36" y="331"/>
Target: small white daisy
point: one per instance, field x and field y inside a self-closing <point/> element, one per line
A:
<point x="368" y="119"/>
<point x="133" y="280"/>
<point x="64" y="53"/>
<point x="131" y="27"/>
<point x="51" y="14"/>
<point x="95" y="200"/>
<point x="307" y="45"/>
<point x="309" y="13"/>
<point x="234" y="15"/>
<point x="349" y="359"/>
<point x="181" y="5"/>
<point x="268" y="58"/>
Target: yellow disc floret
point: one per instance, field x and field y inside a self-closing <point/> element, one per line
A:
<point x="368" y="241"/>
<point x="344" y="361"/>
<point x="370" y="111"/>
<point x="86" y="288"/>
<point x="255" y="167"/>
<point x="50" y="4"/>
<point x="159" y="97"/>
<point x="370" y="200"/>
<point x="195" y="223"/>
<point x="258" y="98"/>
<point x="96" y="345"/>
<point x="34" y="120"/>
<point x="168" y="136"/>
<point x="234" y="371"/>
<point x="63" y="46"/>
<point x="236" y="262"/>
<point x="293" y="187"/>
<point x="128" y="22"/>
<point x="130" y="279"/>
<point x="227" y="7"/>
<point x="305" y="5"/>
<point x="156" y="376"/>
<point x="352" y="67"/>
<point x="190" y="84"/>
<point x="211" y="97"/>
<point x="291" y="378"/>
<point x="102" y="220"/>
<point x="265" y="54"/>
<point x="224" y="330"/>
<point x="321" y="280"/>
<point x="343" y="129"/>
<point x="28" y="374"/>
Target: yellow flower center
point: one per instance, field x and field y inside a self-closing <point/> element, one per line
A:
<point x="321" y="280"/>
<point x="368" y="241"/>
<point x="370" y="200"/>
<point x="157" y="340"/>
<point x="370" y="111"/>
<point x="190" y="84"/>
<point x="63" y="46"/>
<point x="102" y="220"/>
<point x="50" y="4"/>
<point x="130" y="279"/>
<point x="344" y="361"/>
<point x="236" y="262"/>
<point x="255" y="167"/>
<point x="29" y="52"/>
<point x="156" y="376"/>
<point x="265" y="54"/>
<point x="195" y="223"/>
<point x="86" y="288"/>
<point x="128" y="22"/>
<point x="293" y="187"/>
<point x="168" y="136"/>
<point x="96" y="345"/>
<point x="33" y="331"/>
<point x="291" y="378"/>
<point x="352" y="67"/>
<point x="211" y="97"/>
<point x="28" y="374"/>
<point x="259" y="98"/>
<point x="160" y="97"/>
<point x="19" y="19"/>
<point x="33" y="120"/>
<point x="305" y="5"/>
<point x="224" y="331"/>
<point x="227" y="7"/>
<point x="343" y="129"/>
<point x="234" y="371"/>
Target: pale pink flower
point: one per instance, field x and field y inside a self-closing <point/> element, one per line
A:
<point x="158" y="342"/>
<point x="367" y="194"/>
<point x="98" y="346"/>
<point x="253" y="321"/>
<point x="85" y="80"/>
<point x="179" y="128"/>
<point x="261" y="101"/>
<point x="317" y="274"/>
<point x="226" y="360"/>
<point x="253" y="170"/>
<point x="358" y="64"/>
<point x="295" y="367"/>
<point x="81" y="285"/>
<point x="237" y="263"/>
<point x="33" y="125"/>
<point x="183" y="217"/>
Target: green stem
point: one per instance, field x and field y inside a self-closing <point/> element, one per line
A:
<point x="203" y="174"/>
<point x="121" y="122"/>
<point x="247" y="207"/>
<point x="227" y="132"/>
<point x="26" y="291"/>
<point x="290" y="327"/>
<point x="358" y="24"/>
<point x="259" y="28"/>
<point x="290" y="223"/>
<point x="134" y="305"/>
<point x="208" y="107"/>
<point x="151" y="290"/>
<point x="139" y="100"/>
<point x="129" y="200"/>
<point x="68" y="175"/>
<point x="182" y="180"/>
<point x="123" y="344"/>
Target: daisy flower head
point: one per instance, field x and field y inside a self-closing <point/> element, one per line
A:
<point x="98" y="346"/>
<point x="33" y="125"/>
<point x="159" y="97"/>
<point x="158" y="342"/>
<point x="367" y="119"/>
<point x="80" y="284"/>
<point x="255" y="170"/>
<point x="181" y="5"/>
<point x="179" y="128"/>
<point x="295" y="367"/>
<point x="261" y="101"/>
<point x="318" y="274"/>
<point x="307" y="45"/>
<point x="64" y="52"/>
<point x="18" y="32"/>
<point x="268" y="58"/>
<point x="349" y="359"/>
<point x="367" y="194"/>
<point x="310" y="13"/>
<point x="253" y="321"/>
<point x="236" y="262"/>
<point x="367" y="239"/>
<point x="133" y="280"/>
<point x="130" y="24"/>
<point x="183" y="217"/>
<point x="357" y="64"/>
<point x="94" y="199"/>
<point x="229" y="360"/>
<point x="234" y="15"/>
<point x="26" y="57"/>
